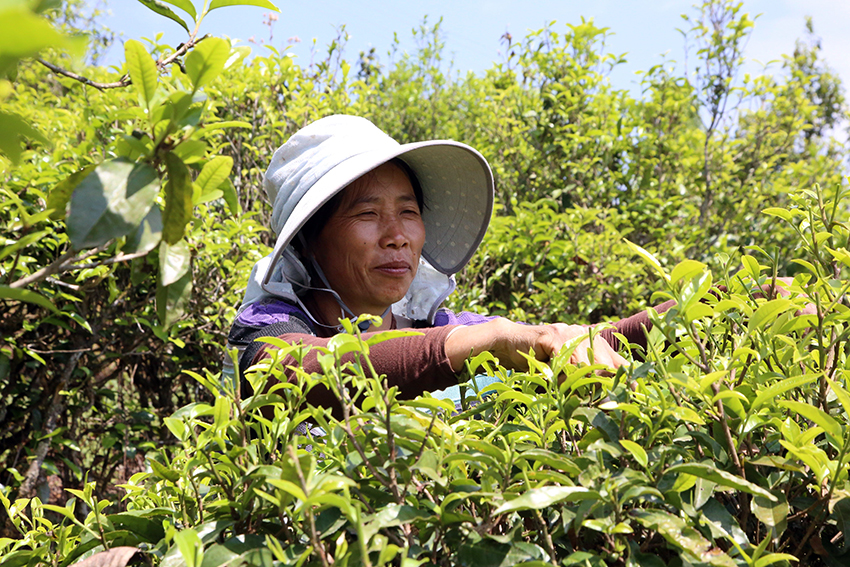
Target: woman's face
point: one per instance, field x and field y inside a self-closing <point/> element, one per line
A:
<point x="369" y="248"/>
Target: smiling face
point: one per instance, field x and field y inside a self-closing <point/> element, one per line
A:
<point x="369" y="247"/>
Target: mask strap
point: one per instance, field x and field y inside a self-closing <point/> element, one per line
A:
<point x="363" y="325"/>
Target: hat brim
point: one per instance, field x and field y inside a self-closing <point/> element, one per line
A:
<point x="457" y="185"/>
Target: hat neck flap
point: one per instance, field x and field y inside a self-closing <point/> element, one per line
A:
<point x="289" y="278"/>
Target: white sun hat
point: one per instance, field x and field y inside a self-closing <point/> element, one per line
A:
<point x="321" y="159"/>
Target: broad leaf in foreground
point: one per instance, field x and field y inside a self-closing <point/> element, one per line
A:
<point x="110" y="202"/>
<point x="206" y="61"/>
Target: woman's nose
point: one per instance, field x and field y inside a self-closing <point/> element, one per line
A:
<point x="394" y="235"/>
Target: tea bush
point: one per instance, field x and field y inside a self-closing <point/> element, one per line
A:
<point x="725" y="443"/>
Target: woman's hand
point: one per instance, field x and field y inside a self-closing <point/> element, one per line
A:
<point x="506" y="340"/>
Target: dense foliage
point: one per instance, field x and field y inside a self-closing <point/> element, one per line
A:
<point x="133" y="213"/>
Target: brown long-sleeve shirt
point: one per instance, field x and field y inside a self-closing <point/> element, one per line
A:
<point x="415" y="364"/>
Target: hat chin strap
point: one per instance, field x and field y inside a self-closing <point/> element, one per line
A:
<point x="346" y="311"/>
<point x="364" y="325"/>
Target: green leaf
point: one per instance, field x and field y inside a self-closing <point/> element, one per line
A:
<point x="171" y="300"/>
<point x="817" y="415"/>
<point x="142" y="69"/>
<point x="384" y="336"/>
<point x="230" y="196"/>
<point x="551" y="459"/>
<point x="24" y="34"/>
<point x="32" y="220"/>
<point x="147" y="235"/>
<point x="289" y="487"/>
<point x="16" y="294"/>
<point x="822" y="237"/>
<point x="808" y="265"/>
<point x="164" y="10"/>
<point x="68" y="512"/>
<point x="722" y="478"/>
<point x="163" y="471"/>
<point x="489" y="553"/>
<point x="186" y="6"/>
<point x="343" y="343"/>
<point x="22" y="243"/>
<point x="61" y="193"/>
<point x="206" y="61"/>
<point x="840" y="393"/>
<point x="698" y="311"/>
<point x="174" y="262"/>
<point x="191" y="151"/>
<point x="214" y="173"/>
<point x="751" y="265"/>
<point x="637" y="452"/>
<point x="840" y="254"/>
<point x="722" y="523"/>
<point x="649" y="259"/>
<point x="213" y="195"/>
<point x="538" y="498"/>
<point x="772" y="558"/>
<point x="779" y="388"/>
<point x="149" y="530"/>
<point x="214" y="126"/>
<point x="221" y="412"/>
<point x="784" y="214"/>
<point x="768" y="312"/>
<point x="12" y="129"/>
<point x="686" y="269"/>
<point x="110" y="202"/>
<point x="678" y="533"/>
<point x="178" y="200"/>
<point x="261" y="3"/>
<point x="190" y="546"/>
<point x="396" y="515"/>
<point x="638" y="559"/>
<point x="21" y="557"/>
<point x="176" y="426"/>
<point x="771" y="514"/>
<point x="703" y="490"/>
<point x="219" y="555"/>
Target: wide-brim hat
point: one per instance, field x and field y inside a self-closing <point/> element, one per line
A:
<point x="323" y="158"/>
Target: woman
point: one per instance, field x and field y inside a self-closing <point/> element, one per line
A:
<point x="366" y="225"/>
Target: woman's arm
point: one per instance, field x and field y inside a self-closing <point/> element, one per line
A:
<point x="431" y="359"/>
<point x="506" y="340"/>
<point x="415" y="363"/>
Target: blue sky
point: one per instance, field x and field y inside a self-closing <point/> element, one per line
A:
<point x="645" y="30"/>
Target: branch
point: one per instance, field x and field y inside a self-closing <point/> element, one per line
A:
<point x="125" y="80"/>
<point x="181" y="49"/>
<point x="61" y="264"/>
<point x="56" y="266"/>
<point x="114" y="260"/>
<point x="64" y="265"/>
<point x="314" y="534"/>
<point x="56" y="408"/>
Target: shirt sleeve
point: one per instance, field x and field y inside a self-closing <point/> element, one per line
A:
<point x="415" y="364"/>
<point x="633" y="327"/>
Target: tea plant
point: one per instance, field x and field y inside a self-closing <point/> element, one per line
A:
<point x="725" y="443"/>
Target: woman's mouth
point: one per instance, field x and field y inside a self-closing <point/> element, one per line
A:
<point x="399" y="268"/>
